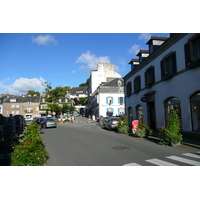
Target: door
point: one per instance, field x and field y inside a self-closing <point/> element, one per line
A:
<point x="151" y="115"/>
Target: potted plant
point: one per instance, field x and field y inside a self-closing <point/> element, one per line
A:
<point x="171" y="134"/>
<point x="122" y="126"/>
<point x="143" y="130"/>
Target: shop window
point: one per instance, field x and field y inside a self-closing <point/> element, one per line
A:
<point x="168" y="66"/>
<point x="129" y="89"/>
<point x="149" y="76"/>
<point x="192" y="52"/>
<point x="173" y="104"/>
<point x="195" y="110"/>
<point x="137" y="84"/>
<point x="130" y="115"/>
<point x="139" y="112"/>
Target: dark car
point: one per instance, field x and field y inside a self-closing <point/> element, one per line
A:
<point x="40" y="120"/>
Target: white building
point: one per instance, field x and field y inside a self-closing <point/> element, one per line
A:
<point x="169" y="78"/>
<point x="98" y="79"/>
<point x="108" y="99"/>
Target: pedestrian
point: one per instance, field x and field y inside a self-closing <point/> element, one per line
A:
<point x="89" y="119"/>
<point x="72" y="118"/>
<point x="93" y="118"/>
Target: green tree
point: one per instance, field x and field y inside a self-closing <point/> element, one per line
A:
<point x="32" y="93"/>
<point x="53" y="95"/>
<point x="85" y="84"/>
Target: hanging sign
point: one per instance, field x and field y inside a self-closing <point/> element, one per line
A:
<point x="144" y="99"/>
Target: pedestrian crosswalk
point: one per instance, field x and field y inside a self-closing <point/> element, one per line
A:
<point x="192" y="159"/>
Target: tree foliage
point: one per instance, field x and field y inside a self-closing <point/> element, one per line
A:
<point x="53" y="95"/>
<point x="32" y="93"/>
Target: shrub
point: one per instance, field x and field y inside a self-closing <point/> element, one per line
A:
<point x="143" y="130"/>
<point x="29" y="149"/>
<point x="171" y="134"/>
<point x="122" y="126"/>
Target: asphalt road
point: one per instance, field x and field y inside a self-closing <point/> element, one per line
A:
<point x="87" y="144"/>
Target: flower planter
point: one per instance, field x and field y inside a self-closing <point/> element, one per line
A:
<point x="175" y="144"/>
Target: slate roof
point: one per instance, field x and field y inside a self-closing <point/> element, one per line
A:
<point x="23" y="99"/>
<point x="78" y="90"/>
<point x="115" y="82"/>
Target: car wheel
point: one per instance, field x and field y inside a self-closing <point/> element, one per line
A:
<point x="109" y="128"/>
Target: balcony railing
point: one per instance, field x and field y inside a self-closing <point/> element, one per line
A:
<point x="28" y="111"/>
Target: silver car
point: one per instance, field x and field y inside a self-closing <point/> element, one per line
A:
<point x="49" y="122"/>
<point x="111" y="123"/>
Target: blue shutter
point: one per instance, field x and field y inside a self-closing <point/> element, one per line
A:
<point x="118" y="111"/>
<point x="106" y="100"/>
<point x="112" y="100"/>
<point x="118" y="100"/>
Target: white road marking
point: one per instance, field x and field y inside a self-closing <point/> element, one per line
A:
<point x="184" y="160"/>
<point x="132" y="164"/>
<point x="160" y="162"/>
<point x="191" y="155"/>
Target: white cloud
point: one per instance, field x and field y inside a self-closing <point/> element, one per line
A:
<point x="91" y="60"/>
<point x="145" y="36"/>
<point x="44" y="40"/>
<point x="134" y="49"/>
<point x="22" y="85"/>
<point x="74" y="71"/>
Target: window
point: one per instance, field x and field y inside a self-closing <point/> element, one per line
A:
<point x="172" y="104"/>
<point x="149" y="76"/>
<point x="129" y="89"/>
<point x="139" y="112"/>
<point x="195" y="110"/>
<point x="130" y="115"/>
<point x="109" y="100"/>
<point x="168" y="66"/>
<point x="17" y="106"/>
<point x="120" y="111"/>
<point x="121" y="100"/>
<point x="137" y="84"/>
<point x="192" y="52"/>
<point x="109" y="111"/>
<point x="13" y="106"/>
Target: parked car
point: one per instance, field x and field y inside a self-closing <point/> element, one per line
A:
<point x="103" y="121"/>
<point x="49" y="123"/>
<point x="40" y="120"/>
<point x="111" y="123"/>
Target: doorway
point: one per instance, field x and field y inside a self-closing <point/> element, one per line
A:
<point x="151" y="114"/>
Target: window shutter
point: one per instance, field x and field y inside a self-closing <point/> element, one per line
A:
<point x="118" y="99"/>
<point x="112" y="100"/>
<point x="162" y="67"/>
<point x="187" y="54"/>
<point x="106" y="100"/>
<point x="173" y="56"/>
<point x="118" y="111"/>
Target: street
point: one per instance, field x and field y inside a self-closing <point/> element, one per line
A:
<point x="87" y="144"/>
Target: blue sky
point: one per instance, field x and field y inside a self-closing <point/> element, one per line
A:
<point x="28" y="59"/>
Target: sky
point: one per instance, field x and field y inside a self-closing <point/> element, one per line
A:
<point x="27" y="60"/>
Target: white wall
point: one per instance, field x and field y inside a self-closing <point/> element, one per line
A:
<point x="103" y="105"/>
